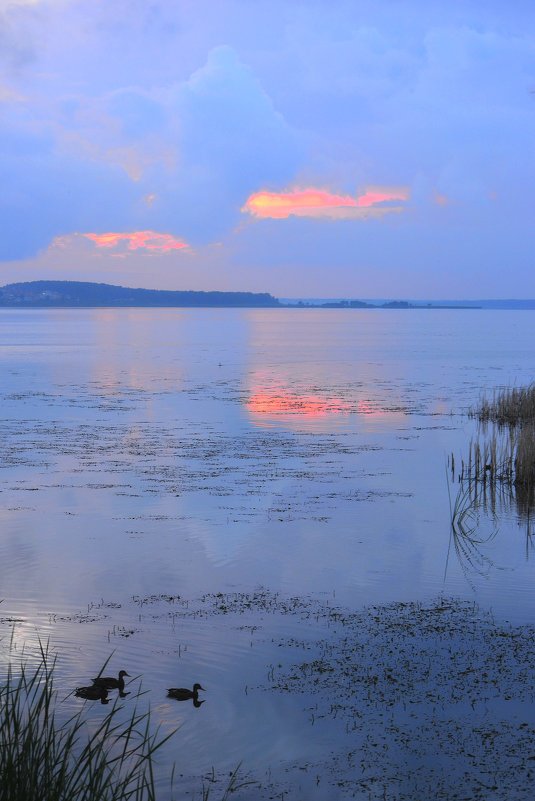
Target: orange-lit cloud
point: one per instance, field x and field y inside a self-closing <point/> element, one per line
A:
<point x="320" y="203"/>
<point x="382" y="194"/>
<point x="149" y="241"/>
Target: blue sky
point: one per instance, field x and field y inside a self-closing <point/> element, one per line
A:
<point x="367" y="149"/>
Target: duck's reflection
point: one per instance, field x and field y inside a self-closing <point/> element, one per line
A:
<point x="93" y="693"/>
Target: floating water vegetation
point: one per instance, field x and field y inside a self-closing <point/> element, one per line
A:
<point x="436" y="700"/>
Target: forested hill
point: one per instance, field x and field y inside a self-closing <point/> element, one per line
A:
<point x="82" y="293"/>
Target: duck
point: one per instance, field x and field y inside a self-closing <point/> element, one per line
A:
<point x="93" y="693"/>
<point x="111" y="683"/>
<point x="183" y="694"/>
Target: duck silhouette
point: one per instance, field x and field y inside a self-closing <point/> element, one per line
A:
<point x="110" y="682"/>
<point x="183" y="694"/>
<point x="93" y="693"/>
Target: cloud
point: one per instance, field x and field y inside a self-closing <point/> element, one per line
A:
<point x="131" y="116"/>
<point x="150" y="241"/>
<point x="374" y="202"/>
<point x="230" y="140"/>
<point x="441" y="199"/>
<point x="9" y="95"/>
<point x="5" y="5"/>
<point x="179" y="157"/>
<point x="123" y="243"/>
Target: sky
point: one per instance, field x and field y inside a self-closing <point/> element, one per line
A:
<point x="307" y="148"/>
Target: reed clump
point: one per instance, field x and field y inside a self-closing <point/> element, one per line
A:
<point x="507" y="453"/>
<point x="499" y="471"/>
<point x="502" y="462"/>
<point x="510" y="406"/>
<point x="43" y="759"/>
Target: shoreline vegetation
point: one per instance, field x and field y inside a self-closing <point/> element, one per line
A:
<point x="86" y="294"/>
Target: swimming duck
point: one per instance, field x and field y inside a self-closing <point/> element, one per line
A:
<point x="183" y="694"/>
<point x="111" y="683"/>
<point x="93" y="693"/>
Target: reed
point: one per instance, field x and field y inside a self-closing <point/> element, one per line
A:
<point x="43" y="759"/>
<point x="496" y="476"/>
<point x="506" y="454"/>
<point x="525" y="470"/>
<point x="510" y="406"/>
<point x="501" y="465"/>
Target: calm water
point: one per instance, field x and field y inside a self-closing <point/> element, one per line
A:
<point x="148" y="453"/>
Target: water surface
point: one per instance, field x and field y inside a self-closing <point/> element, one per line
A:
<point x="149" y="454"/>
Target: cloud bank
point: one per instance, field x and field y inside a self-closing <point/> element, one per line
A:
<point x="197" y="120"/>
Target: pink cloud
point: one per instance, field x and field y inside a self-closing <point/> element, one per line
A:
<point x="320" y="203"/>
<point x="382" y="194"/>
<point x="150" y="241"/>
<point x="441" y="199"/>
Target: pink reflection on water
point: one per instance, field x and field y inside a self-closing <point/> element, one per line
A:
<point x="281" y="402"/>
<point x="317" y="408"/>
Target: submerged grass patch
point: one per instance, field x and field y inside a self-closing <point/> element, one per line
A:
<point x="43" y="759"/>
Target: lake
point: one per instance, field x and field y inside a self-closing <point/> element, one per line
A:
<point x="171" y="479"/>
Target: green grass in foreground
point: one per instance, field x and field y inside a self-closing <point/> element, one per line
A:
<point x="44" y="760"/>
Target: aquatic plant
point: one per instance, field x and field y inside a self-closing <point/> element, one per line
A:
<point x="509" y="406"/>
<point x="501" y="459"/>
<point x="497" y="476"/>
<point x="426" y="684"/>
<point x="525" y="467"/>
<point x="232" y="785"/>
<point x="43" y="759"/>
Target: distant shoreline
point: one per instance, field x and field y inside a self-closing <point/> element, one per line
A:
<point x="90" y="295"/>
<point x="281" y="307"/>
